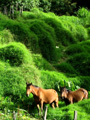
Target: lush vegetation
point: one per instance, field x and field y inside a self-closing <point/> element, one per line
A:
<point x="47" y="50"/>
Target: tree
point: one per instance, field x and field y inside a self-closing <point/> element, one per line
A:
<point x="63" y="6"/>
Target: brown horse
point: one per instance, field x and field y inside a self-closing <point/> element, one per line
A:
<point x="41" y="96"/>
<point x="73" y="96"/>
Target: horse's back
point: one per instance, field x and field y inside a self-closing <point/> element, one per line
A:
<point x="81" y="93"/>
<point x="48" y="95"/>
<point x="85" y="92"/>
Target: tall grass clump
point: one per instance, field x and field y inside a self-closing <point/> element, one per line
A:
<point x="52" y="79"/>
<point x="6" y="37"/>
<point x="77" y="59"/>
<point x="78" y="48"/>
<point x="64" y="36"/>
<point x="80" y="62"/>
<point x="41" y="63"/>
<point x="46" y="41"/>
<point x="65" y="67"/>
<point x="13" y="80"/>
<point x="74" y="27"/>
<point x="75" y="49"/>
<point x="67" y="112"/>
<point x="15" y="53"/>
<point x="84" y="82"/>
<point x="71" y="19"/>
<point x="88" y="29"/>
<point x="20" y="32"/>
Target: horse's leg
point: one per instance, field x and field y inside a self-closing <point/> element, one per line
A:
<point x="38" y="109"/>
<point x="86" y="96"/>
<point x="41" y="107"/>
<point x="56" y="102"/>
<point x="53" y="105"/>
<point x="71" y="100"/>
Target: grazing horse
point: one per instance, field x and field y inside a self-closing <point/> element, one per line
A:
<point x="41" y="96"/>
<point x="73" y="96"/>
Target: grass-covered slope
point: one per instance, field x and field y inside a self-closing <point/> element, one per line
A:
<point x="16" y="68"/>
<point x="67" y="112"/>
<point x="47" y="50"/>
<point x="78" y="59"/>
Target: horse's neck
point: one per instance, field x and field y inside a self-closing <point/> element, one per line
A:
<point x="35" y="91"/>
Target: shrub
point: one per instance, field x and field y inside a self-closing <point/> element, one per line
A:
<point x="84" y="15"/>
<point x="82" y="12"/>
<point x="15" y="53"/>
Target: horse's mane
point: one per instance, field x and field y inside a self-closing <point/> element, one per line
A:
<point x="68" y="90"/>
<point x="32" y="85"/>
<point x="35" y="86"/>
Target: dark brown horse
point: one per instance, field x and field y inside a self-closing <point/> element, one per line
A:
<point x="73" y="96"/>
<point x="41" y="96"/>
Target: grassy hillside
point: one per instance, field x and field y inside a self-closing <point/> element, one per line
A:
<point x="67" y="112"/>
<point x="47" y="50"/>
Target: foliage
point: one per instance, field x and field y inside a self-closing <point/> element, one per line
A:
<point x="41" y="63"/>
<point x="82" y="12"/>
<point x="63" y="7"/>
<point x="45" y="5"/>
<point x="84" y="15"/>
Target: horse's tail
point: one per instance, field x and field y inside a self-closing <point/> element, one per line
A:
<point x="85" y="94"/>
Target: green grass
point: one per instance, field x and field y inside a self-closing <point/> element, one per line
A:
<point x="67" y="112"/>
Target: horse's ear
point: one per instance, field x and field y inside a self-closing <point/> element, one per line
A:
<point x="31" y="83"/>
<point x="26" y="83"/>
<point x="60" y="87"/>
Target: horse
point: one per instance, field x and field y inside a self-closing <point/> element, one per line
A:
<point x="41" y="96"/>
<point x="70" y="97"/>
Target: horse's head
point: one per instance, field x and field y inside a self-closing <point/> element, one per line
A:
<point x="28" y="89"/>
<point x="63" y="92"/>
